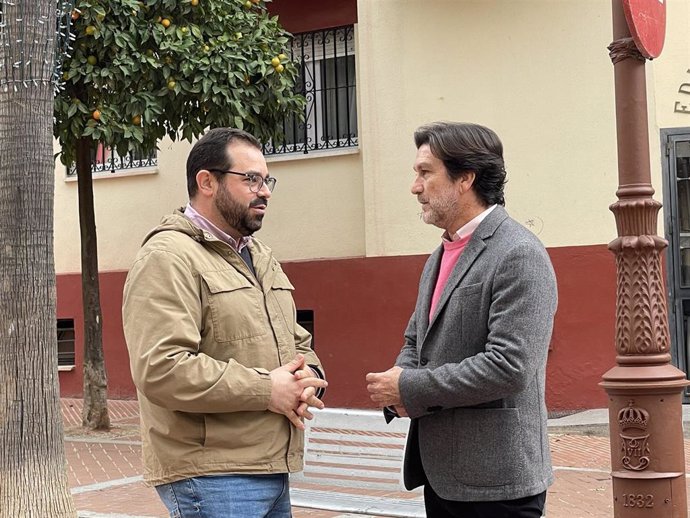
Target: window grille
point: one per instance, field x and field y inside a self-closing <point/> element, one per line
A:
<point x="326" y="61"/>
<point x="65" y="342"/>
<point x="107" y="160"/>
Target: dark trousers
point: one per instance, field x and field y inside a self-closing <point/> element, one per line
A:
<point x="528" y="507"/>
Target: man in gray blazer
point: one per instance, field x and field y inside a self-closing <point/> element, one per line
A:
<point x="471" y="372"/>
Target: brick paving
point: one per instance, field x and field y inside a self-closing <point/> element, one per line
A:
<point x="105" y="473"/>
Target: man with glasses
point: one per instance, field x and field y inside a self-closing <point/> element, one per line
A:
<point x="224" y="373"/>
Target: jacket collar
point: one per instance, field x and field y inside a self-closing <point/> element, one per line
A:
<point x="472" y="251"/>
<point x="264" y="263"/>
<point x="492" y="221"/>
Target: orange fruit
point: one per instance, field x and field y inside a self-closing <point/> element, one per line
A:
<point x="280" y="69"/>
<point x="282" y="56"/>
<point x="92" y="60"/>
<point x="195" y="3"/>
<point x="136" y="120"/>
<point x="275" y="61"/>
<point x="90" y="30"/>
<point x="165" y="23"/>
<point x="171" y="84"/>
<point x="96" y="115"/>
<point x="248" y="4"/>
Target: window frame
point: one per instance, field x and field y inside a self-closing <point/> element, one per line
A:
<point x="678" y="292"/>
<point x="65" y="327"/>
<point x="310" y="51"/>
<point x="105" y="161"/>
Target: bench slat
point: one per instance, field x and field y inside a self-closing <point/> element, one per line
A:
<point x="353" y="448"/>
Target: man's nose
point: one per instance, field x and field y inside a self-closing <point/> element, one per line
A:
<point x="265" y="192"/>
<point x="416" y="186"/>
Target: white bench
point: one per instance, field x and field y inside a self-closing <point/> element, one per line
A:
<point x="355" y="449"/>
<point x="350" y="448"/>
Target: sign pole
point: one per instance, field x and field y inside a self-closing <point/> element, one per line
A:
<point x="644" y="389"/>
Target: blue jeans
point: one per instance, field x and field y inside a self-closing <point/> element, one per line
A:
<point x="228" y="496"/>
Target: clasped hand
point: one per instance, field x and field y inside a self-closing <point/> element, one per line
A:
<point x="384" y="389"/>
<point x="293" y="391"/>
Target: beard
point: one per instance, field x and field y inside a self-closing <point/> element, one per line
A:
<point x="440" y="210"/>
<point x="238" y="216"/>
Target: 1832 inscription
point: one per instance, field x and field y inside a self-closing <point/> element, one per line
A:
<point x="638" y="500"/>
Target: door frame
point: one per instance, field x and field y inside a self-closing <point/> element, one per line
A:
<point x="676" y="320"/>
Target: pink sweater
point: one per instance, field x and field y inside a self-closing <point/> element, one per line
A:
<point x="451" y="253"/>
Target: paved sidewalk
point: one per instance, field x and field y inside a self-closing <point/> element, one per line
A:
<point x="105" y="473"/>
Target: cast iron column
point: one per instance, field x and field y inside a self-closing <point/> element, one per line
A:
<point x="644" y="389"/>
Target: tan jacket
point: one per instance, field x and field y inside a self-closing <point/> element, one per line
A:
<point x="203" y="334"/>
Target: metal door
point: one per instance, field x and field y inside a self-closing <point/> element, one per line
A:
<point x="676" y="175"/>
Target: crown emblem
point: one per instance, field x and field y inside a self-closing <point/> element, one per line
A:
<point x="633" y="417"/>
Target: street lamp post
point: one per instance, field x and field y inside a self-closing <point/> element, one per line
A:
<point x="644" y="389"/>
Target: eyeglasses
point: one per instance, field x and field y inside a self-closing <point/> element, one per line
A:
<point x="256" y="181"/>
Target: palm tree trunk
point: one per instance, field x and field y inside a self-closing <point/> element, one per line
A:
<point x="33" y="478"/>
<point x="95" y="410"/>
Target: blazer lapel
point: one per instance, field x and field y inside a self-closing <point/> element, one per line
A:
<point x="473" y="249"/>
<point x="426" y="290"/>
<point x="469" y="255"/>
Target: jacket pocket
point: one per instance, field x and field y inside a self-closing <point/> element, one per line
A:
<point x="281" y="282"/>
<point x="235" y="306"/>
<point x="465" y="298"/>
<point x="487" y="447"/>
<point x="281" y="290"/>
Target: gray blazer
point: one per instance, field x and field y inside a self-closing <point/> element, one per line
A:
<point x="473" y="379"/>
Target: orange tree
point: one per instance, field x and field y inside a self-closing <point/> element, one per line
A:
<point x="140" y="70"/>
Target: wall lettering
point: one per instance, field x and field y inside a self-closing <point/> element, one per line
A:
<point x="684" y="105"/>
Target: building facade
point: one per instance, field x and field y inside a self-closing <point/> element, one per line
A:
<point x="342" y="219"/>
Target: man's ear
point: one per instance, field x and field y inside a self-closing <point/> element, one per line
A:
<point x="205" y="182"/>
<point x="466" y="180"/>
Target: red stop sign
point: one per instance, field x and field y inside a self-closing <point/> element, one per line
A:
<point x="647" y="22"/>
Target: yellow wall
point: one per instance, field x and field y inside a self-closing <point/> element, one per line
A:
<point x="316" y="210"/>
<point x="671" y="71"/>
<point x="536" y="71"/>
<point x="665" y="76"/>
<point x="126" y="208"/>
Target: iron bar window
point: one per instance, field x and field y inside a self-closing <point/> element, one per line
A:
<point x="65" y="342"/>
<point x="105" y="160"/>
<point x="326" y="61"/>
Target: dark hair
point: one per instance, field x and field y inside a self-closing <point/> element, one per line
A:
<point x="211" y="152"/>
<point x="468" y="147"/>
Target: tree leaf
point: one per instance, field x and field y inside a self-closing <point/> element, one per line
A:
<point x="138" y="58"/>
